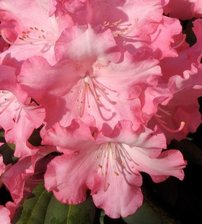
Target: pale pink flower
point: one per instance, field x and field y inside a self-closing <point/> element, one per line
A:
<point x="77" y="43"/>
<point x="19" y="114"/>
<point x="29" y="29"/>
<point x="87" y="83"/>
<point x="97" y="88"/>
<point x="19" y="121"/>
<point x="109" y="164"/>
<point x="130" y="22"/>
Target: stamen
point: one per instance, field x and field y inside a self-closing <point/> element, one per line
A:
<point x="125" y="160"/>
<point x="164" y="111"/>
<point x="119" y="28"/>
<point x="115" y="158"/>
<point x="106" y="186"/>
<point x="82" y="100"/>
<point x="6" y="39"/>
<point x="180" y="42"/>
<point x="92" y="89"/>
<point x="159" y="116"/>
<point x="33" y="36"/>
<point x="163" y="124"/>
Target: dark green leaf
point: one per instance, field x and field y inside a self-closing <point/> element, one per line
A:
<point x="34" y="209"/>
<point x="83" y="213"/>
<point x="43" y="208"/>
<point x="56" y="212"/>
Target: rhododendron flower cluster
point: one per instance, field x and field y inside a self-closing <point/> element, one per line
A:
<point x="107" y="84"/>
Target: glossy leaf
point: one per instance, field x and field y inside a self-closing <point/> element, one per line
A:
<point x="44" y="208"/>
<point x="83" y="213"/>
<point x="34" y="209"/>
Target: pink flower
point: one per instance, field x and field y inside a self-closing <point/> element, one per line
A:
<point x="188" y="59"/>
<point x="178" y="118"/>
<point x="76" y="43"/>
<point x="19" y="114"/>
<point x="180" y="115"/>
<point x="87" y="83"/>
<point x="98" y="88"/>
<point x="130" y="22"/>
<point x="163" y="39"/>
<point x="109" y="164"/>
<point x="30" y="29"/>
<point x="19" y="121"/>
<point x="69" y="6"/>
<point x="20" y="178"/>
<point x="184" y="9"/>
<point x="15" y="176"/>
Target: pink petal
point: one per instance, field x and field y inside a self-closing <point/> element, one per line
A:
<point x="184" y="9"/>
<point x="119" y="198"/>
<point x="67" y="177"/>
<point x="5" y="215"/>
<point x="2" y="166"/>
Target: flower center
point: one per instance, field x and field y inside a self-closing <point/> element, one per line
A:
<point x="94" y="97"/>
<point x="115" y="158"/>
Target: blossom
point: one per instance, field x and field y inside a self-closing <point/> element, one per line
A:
<point x="21" y="177"/>
<point x="87" y="83"/>
<point x="163" y="40"/>
<point x="19" y="113"/>
<point x="26" y="33"/>
<point x="18" y="177"/>
<point x="130" y="22"/>
<point x="99" y="90"/>
<point x="107" y="159"/>
<point x="188" y="59"/>
<point x="106" y="83"/>
<point x="180" y="115"/>
<point x="184" y="9"/>
<point x="19" y="121"/>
